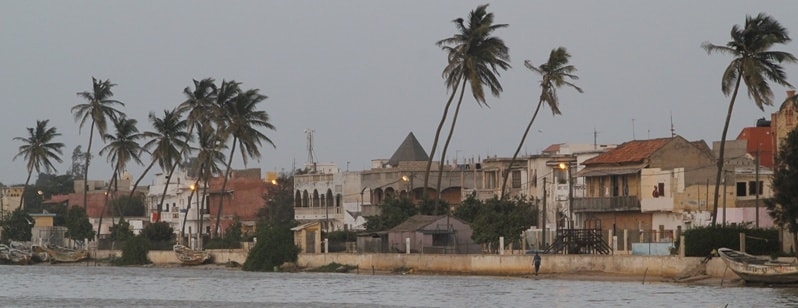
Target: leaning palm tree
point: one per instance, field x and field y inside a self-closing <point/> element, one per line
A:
<point x="167" y="140"/>
<point x="474" y="58"/>
<point x="755" y="64"/>
<point x="123" y="147"/>
<point x="242" y="121"/>
<point x="209" y="158"/>
<point x="98" y="109"/>
<point x="554" y="74"/>
<point x="39" y="150"/>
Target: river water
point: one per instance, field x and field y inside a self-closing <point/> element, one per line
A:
<point x="79" y="286"/>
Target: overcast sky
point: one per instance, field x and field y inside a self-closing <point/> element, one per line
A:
<point x="363" y="74"/>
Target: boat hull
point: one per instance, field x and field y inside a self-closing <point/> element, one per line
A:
<point x="188" y="256"/>
<point x="759" y="270"/>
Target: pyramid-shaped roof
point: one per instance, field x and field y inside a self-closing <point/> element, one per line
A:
<point x="409" y="150"/>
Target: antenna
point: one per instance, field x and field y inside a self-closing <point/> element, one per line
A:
<point x="595" y="138"/>
<point x="633" y="128"/>
<point x="673" y="130"/>
<point x="311" y="157"/>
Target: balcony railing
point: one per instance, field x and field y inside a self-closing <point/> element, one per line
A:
<point x="606" y="204"/>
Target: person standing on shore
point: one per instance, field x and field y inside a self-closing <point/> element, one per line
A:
<point x="536" y="261"/>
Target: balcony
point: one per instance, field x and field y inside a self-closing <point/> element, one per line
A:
<point x="606" y="204"/>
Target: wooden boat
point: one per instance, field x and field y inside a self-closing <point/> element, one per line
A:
<point x="188" y="256"/>
<point x="56" y="254"/>
<point x="13" y="255"/>
<point x="757" y="269"/>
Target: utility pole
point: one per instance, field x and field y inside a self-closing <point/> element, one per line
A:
<point x="756" y="185"/>
<point x="544" y="212"/>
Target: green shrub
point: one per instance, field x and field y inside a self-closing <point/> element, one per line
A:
<point x="222" y="243"/>
<point x="134" y="252"/>
<point x="275" y="246"/>
<point x="158" y="232"/>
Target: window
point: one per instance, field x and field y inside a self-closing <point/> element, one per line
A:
<point x="754" y="189"/>
<point x="440" y="240"/>
<point x="516" y="178"/>
<point x="741" y="189"/>
<point x="661" y="189"/>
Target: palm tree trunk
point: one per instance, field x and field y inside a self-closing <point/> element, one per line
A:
<point x="165" y="187"/>
<point x="517" y="150"/>
<point x="224" y="186"/>
<point x="105" y="204"/>
<point x="86" y="171"/>
<point x="136" y="185"/>
<point x="188" y="207"/>
<point x="202" y="205"/>
<point x="22" y="197"/>
<point x="446" y="147"/>
<point x="723" y="148"/>
<point x="435" y="142"/>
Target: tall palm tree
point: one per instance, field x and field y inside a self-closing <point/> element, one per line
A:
<point x="242" y="121"/>
<point x="123" y="147"/>
<point x="554" y="74"/>
<point x="39" y="150"/>
<point x="167" y="141"/>
<point x="474" y="58"/>
<point x="98" y="109"/>
<point x="209" y="158"/>
<point x="755" y="64"/>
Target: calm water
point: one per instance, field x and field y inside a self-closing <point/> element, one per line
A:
<point x="77" y="286"/>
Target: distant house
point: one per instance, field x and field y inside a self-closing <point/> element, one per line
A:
<point x="430" y="234"/>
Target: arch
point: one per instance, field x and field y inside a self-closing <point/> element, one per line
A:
<point x="305" y="199"/>
<point x="338" y="199"/>
<point x="390" y="192"/>
<point x="316" y="199"/>
<point x="376" y="196"/>
<point x="329" y="199"/>
<point x="298" y="199"/>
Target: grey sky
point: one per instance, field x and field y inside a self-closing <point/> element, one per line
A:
<point x="362" y="74"/>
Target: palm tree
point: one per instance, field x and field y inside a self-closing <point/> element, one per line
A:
<point x="168" y="139"/>
<point x="98" y="109"/>
<point x="474" y="58"/>
<point x="122" y="148"/>
<point x="209" y="158"/>
<point x="39" y="150"/>
<point x="755" y="64"/>
<point x="242" y="121"/>
<point x="554" y="74"/>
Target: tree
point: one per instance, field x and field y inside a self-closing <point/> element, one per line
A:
<point x="98" y="109"/>
<point x="554" y="74"/>
<point x="783" y="207"/>
<point x="474" y="58"/>
<point x="77" y="169"/>
<point x="393" y="212"/>
<point x="129" y="206"/>
<point x="158" y="232"/>
<point x="497" y="218"/>
<point x="169" y="140"/>
<point x="39" y="150"/>
<point x="121" y="231"/>
<point x="78" y="225"/>
<point x="755" y="64"/>
<point x="274" y="247"/>
<point x="122" y="147"/>
<point x="279" y="201"/>
<point x="18" y="226"/>
<point x="242" y="121"/>
<point x="209" y="158"/>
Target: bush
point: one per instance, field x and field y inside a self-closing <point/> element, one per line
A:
<point x="222" y="243"/>
<point x="134" y="252"/>
<point x="274" y="247"/>
<point x="121" y="231"/>
<point x="158" y="232"/>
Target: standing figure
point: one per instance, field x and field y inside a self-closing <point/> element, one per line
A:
<point x="536" y="261"/>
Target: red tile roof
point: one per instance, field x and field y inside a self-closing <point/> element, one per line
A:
<point x="553" y="149"/>
<point x="629" y="152"/>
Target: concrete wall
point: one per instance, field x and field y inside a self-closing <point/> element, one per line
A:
<point x="665" y="266"/>
<point x="220" y="256"/>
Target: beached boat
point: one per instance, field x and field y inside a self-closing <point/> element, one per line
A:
<point x="188" y="256"/>
<point x="57" y="254"/>
<point x="13" y="255"/>
<point x="759" y="270"/>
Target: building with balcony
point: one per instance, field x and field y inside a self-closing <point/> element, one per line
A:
<point x="646" y="185"/>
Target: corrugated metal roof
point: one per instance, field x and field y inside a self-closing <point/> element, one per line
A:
<point x="415" y="223"/>
<point x="601" y="171"/>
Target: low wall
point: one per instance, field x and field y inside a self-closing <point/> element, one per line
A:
<point x="220" y="256"/>
<point x="664" y="266"/>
